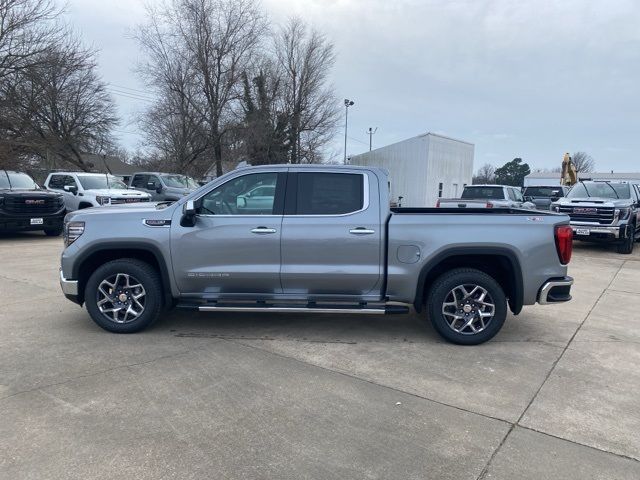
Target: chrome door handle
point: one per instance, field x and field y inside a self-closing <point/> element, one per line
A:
<point x="361" y="231"/>
<point x="263" y="230"/>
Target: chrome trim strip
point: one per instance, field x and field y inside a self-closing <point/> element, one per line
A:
<point x="69" y="287"/>
<point x="370" y="311"/>
<point x="546" y="288"/>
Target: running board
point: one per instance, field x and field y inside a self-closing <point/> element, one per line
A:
<point x="382" y="310"/>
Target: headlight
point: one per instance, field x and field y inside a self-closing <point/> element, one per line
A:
<point x="555" y="208"/>
<point x="72" y="231"/>
<point x="102" y="200"/>
<point x="623" y="213"/>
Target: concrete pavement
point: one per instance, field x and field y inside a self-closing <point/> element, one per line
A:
<point x="554" y="395"/>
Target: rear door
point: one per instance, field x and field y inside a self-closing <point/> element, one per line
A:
<point x="331" y="233"/>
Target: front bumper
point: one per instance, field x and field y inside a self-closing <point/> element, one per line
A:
<point x="69" y="288"/>
<point x="598" y="232"/>
<point x="22" y="223"/>
<point x="555" y="290"/>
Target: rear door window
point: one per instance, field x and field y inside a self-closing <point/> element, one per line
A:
<point x="320" y="193"/>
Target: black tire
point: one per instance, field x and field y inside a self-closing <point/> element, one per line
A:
<point x="626" y="247"/>
<point x="442" y="289"/>
<point x="142" y="274"/>
<point x="53" y="232"/>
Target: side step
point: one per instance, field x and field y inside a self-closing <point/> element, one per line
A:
<point x="310" y="308"/>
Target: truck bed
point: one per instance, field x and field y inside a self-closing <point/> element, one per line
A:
<point x="466" y="211"/>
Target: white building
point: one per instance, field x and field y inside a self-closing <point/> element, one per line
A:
<point x="423" y="168"/>
<point x="546" y="179"/>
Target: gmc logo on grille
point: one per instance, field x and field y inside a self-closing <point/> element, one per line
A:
<point x="585" y="210"/>
<point x="34" y="202"/>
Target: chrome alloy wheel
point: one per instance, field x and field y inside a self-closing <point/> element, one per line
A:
<point x="121" y="298"/>
<point x="468" y="309"/>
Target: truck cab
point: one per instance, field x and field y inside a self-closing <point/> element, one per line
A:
<point x="163" y="186"/>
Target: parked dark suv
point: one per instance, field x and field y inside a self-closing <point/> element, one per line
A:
<point x="25" y="206"/>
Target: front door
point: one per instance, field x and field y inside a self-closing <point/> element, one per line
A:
<point x="234" y="247"/>
<point x="331" y="234"/>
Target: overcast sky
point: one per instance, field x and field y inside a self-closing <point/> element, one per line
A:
<point x="517" y="78"/>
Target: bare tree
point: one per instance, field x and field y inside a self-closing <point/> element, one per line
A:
<point x="58" y="106"/>
<point x="26" y="31"/>
<point x="583" y="162"/>
<point x="305" y="58"/>
<point x="485" y="174"/>
<point x="217" y="40"/>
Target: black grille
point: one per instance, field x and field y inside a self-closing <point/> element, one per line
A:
<point x="118" y="201"/>
<point x="32" y="205"/>
<point x="600" y="215"/>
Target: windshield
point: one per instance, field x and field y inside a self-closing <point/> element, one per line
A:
<point x="179" y="181"/>
<point x="494" y="193"/>
<point x="600" y="189"/>
<point x="546" y="192"/>
<point x="16" y="180"/>
<point x="98" y="182"/>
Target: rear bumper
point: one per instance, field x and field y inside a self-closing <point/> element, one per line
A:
<point x="555" y="290"/>
<point x="69" y="288"/>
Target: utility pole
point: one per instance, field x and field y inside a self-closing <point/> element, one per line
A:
<point x="347" y="103"/>
<point x="370" y="133"/>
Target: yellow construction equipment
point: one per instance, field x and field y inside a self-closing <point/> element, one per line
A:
<point x="569" y="175"/>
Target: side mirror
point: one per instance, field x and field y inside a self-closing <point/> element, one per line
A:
<point x="241" y="202"/>
<point x="188" y="214"/>
<point x="555" y="199"/>
<point x="159" y="189"/>
<point x="71" y="189"/>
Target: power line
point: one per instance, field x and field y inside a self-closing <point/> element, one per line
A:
<point x="131" y="96"/>
<point x="122" y="87"/>
<point x="356" y="140"/>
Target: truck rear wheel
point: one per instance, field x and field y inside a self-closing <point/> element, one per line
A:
<point x="124" y="296"/>
<point x="466" y="306"/>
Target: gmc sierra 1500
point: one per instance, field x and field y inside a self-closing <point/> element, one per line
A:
<point x="320" y="239"/>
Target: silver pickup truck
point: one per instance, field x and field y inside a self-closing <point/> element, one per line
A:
<point x="487" y="196"/>
<point x="326" y="241"/>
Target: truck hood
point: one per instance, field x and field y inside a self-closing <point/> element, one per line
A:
<point x="29" y="193"/>
<point x="112" y="192"/>
<point x="595" y="201"/>
<point x="135" y="210"/>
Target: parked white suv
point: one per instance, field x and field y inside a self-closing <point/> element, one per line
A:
<point x="85" y="190"/>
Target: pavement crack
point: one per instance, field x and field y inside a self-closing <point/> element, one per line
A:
<point x="101" y="372"/>
<point x="369" y="381"/>
<point x="485" y="470"/>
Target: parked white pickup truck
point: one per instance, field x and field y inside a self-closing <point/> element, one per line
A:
<point x="85" y="190"/>
<point x="487" y="196"/>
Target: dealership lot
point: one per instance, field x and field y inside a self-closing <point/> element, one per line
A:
<point x="554" y="395"/>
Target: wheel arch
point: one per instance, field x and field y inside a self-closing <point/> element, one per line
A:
<point x="500" y="263"/>
<point x="98" y="255"/>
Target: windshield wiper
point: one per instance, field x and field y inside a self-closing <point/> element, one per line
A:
<point x="8" y="179"/>
<point x="614" y="190"/>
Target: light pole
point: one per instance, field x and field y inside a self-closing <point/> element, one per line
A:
<point x="347" y="103"/>
<point x="370" y="133"/>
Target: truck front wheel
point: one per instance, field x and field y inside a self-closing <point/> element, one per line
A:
<point x="124" y="296"/>
<point x="626" y="247"/>
<point x="466" y="306"/>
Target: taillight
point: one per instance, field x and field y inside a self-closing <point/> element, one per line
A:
<point x="564" y="243"/>
<point x="438" y="204"/>
<point x="489" y="205"/>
